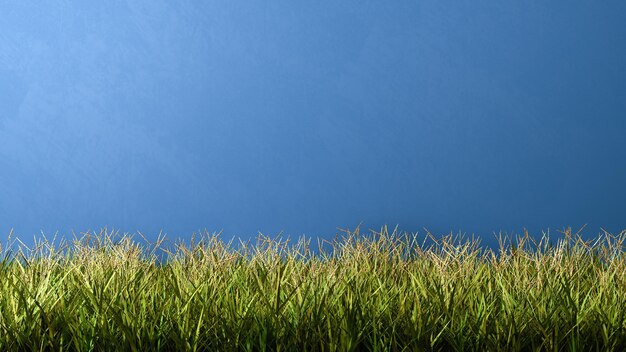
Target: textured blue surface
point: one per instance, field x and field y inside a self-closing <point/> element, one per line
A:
<point x="303" y="117"/>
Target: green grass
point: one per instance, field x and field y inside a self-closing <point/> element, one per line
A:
<point x="386" y="292"/>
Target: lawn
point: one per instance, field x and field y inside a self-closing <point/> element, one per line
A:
<point x="381" y="292"/>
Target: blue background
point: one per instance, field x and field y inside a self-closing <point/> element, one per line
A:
<point x="302" y="117"/>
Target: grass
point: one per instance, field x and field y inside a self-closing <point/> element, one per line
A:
<point x="383" y="292"/>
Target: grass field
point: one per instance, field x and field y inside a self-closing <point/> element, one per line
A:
<point x="383" y="291"/>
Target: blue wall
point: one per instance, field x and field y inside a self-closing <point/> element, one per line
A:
<point x="303" y="117"/>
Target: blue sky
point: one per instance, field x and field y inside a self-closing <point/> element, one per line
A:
<point x="303" y="117"/>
